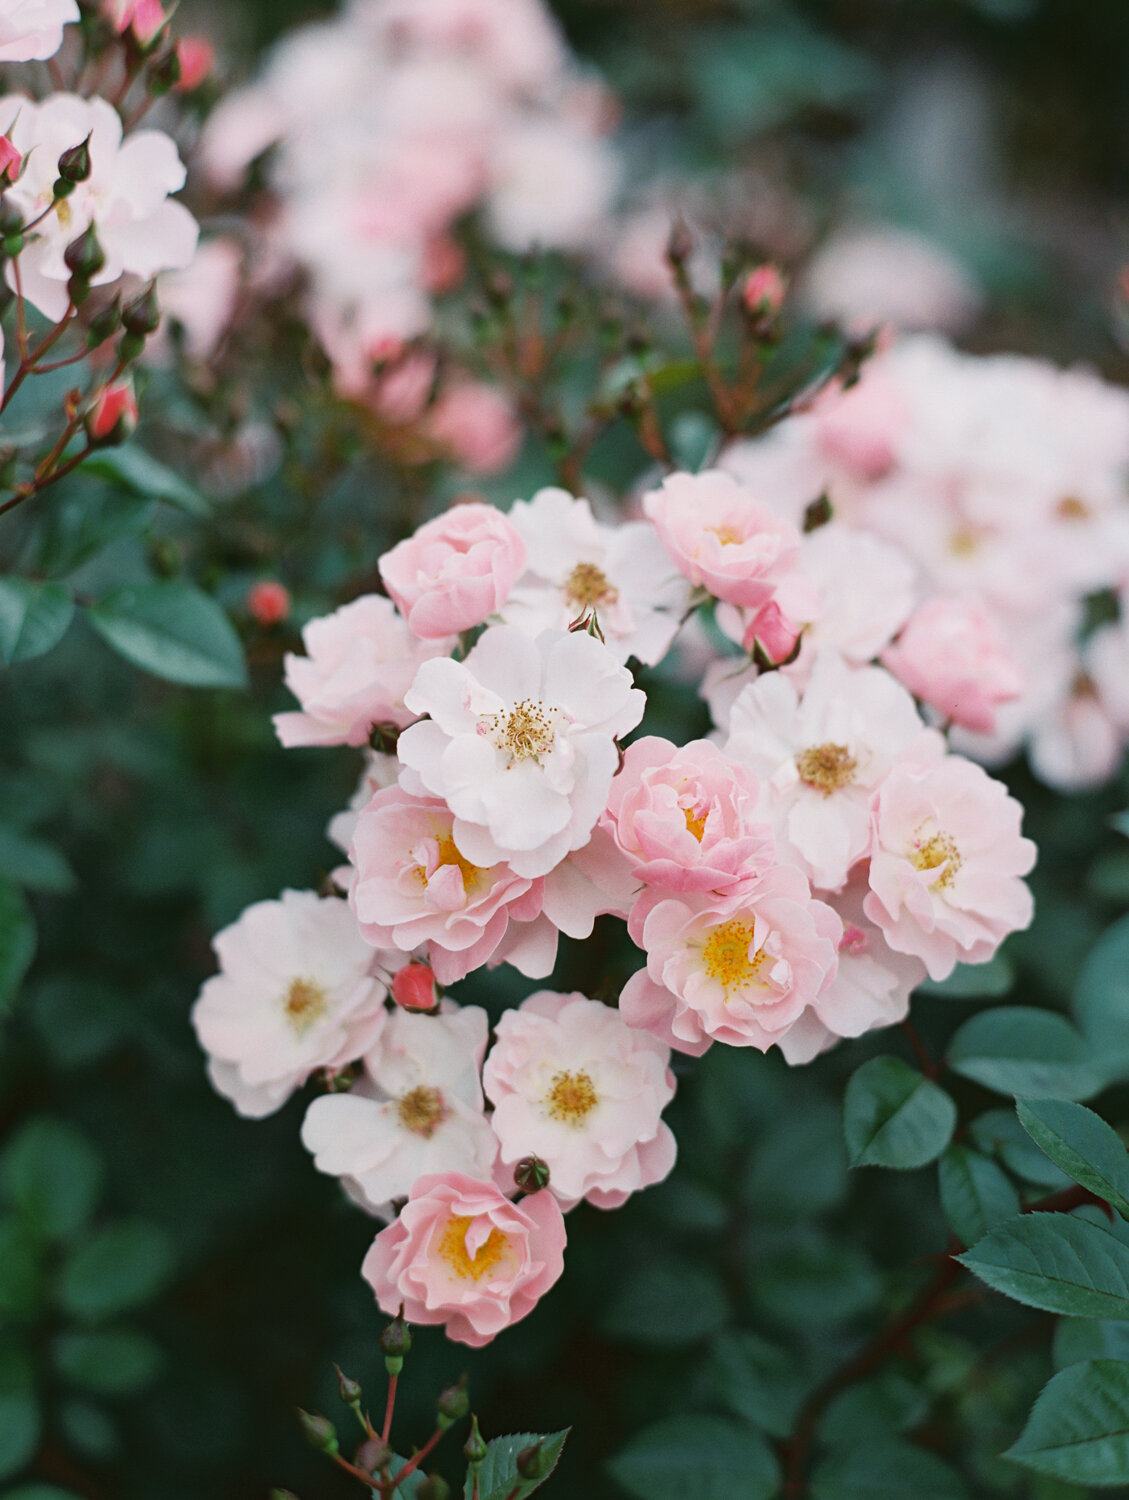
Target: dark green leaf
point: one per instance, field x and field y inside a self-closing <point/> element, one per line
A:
<point x="112" y="1362"/>
<point x="498" y="1476"/>
<point x="52" y="1175"/>
<point x="19" y="1419"/>
<point x="174" y="630"/>
<point x="33" y="617"/>
<point x="667" y="1302"/>
<point x="1089" y="1338"/>
<point x="894" y="1117"/>
<point x="34" y="863"/>
<point x="1056" y="1262"/>
<point x="987" y="981"/>
<point x="1082" y="1144"/>
<point x="696" y="1458"/>
<point x="17" y="941"/>
<point x="1016" y="1049"/>
<point x="998" y="1133"/>
<point x="1079" y="1426"/>
<point x="21" y="1272"/>
<point x="40" y="1492"/>
<point x="140" y="473"/>
<point x="976" y="1194"/>
<point x="1101" y="1000"/>
<point x="798" y="1167"/>
<point x="759" y="1381"/>
<point x="874" y="1410"/>
<point x="118" y="1268"/>
<point x="77" y="526"/>
<point x="885" y="1471"/>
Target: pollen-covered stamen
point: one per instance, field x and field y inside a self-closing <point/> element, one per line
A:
<point x="453" y="1249"/>
<point x="937" y="852"/>
<point x="587" y="586"/>
<point x="449" y="855"/>
<point x="571" y="1097"/>
<point x="695" y="821"/>
<point x="305" y="1002"/>
<point x="726" y="535"/>
<point x="1070" y="508"/>
<point x="726" y="957"/>
<point x="527" y="732"/>
<point x="422" y="1111"/>
<point x="828" y="767"/>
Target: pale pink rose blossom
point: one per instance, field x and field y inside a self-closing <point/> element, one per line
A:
<point x="821" y="754"/>
<point x="361" y="661"/>
<point x="946" y="863"/>
<point x="517" y="42"/>
<point x="200" y="301"/>
<point x="455" y="571"/>
<point x="739" y="970"/>
<point x="144" y="17"/>
<point x="952" y="655"/>
<point x="295" y="992"/>
<point x="553" y="183"/>
<point x="722" y="537"/>
<point x="126" y="196"/>
<point x="573" y="1084"/>
<point x="416" y="1110"/>
<point x="878" y="273"/>
<point x="477" y="425"/>
<point x="865" y="589"/>
<point x="463" y="1256"/>
<point x="520" y="743"/>
<point x="33" y="28"/>
<point x="686" y="817"/>
<point x="576" y="566"/>
<point x="380" y="770"/>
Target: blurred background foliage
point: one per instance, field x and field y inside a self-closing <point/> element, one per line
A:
<point x="174" y="1281"/>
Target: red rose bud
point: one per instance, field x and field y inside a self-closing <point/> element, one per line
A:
<point x="197" y="58"/>
<point x="413" y="988"/>
<point x="773" y="632"/>
<point x="763" y="292"/>
<point x="10" y="162"/>
<point x="114" y="414"/>
<point x="268" y="602"/>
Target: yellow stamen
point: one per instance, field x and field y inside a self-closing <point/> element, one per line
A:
<point x="571" y="1097"/>
<point x="587" y="586"/>
<point x="725" y="955"/>
<point x="695" y="823"/>
<point x="829" y="768"/>
<point x="452" y="1247"/>
<point x="932" y="853"/>
<point x="422" y="1111"/>
<point x="527" y="731"/>
<point x="726" y="535"/>
<point x="305" y="1003"/>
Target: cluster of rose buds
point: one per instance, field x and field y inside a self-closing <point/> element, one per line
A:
<point x="789" y="881"/>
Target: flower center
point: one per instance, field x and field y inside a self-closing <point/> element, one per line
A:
<point x="695" y="822"/>
<point x="725" y="955"/>
<point x="452" y="1247"/>
<point x="964" y="542"/>
<point x="422" y="1111"/>
<point x="527" y="731"/>
<point x="571" y="1097"/>
<point x="587" y="585"/>
<point x="933" y="852"/>
<point x="1070" y="508"/>
<point x="726" y="535"/>
<point x="449" y="855"/>
<point x="305" y="1003"/>
<point x="854" y="941"/>
<point x="828" y="768"/>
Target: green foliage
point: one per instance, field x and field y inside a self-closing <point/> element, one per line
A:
<point x="33" y="618"/>
<point x="886" y="1471"/>
<point x="1055" y="1262"/>
<point x="1079" y="1427"/>
<point x="17" y="941"/>
<point x="1082" y="1144"/>
<point x="173" y="630"/>
<point x="894" y="1117"/>
<point x="976" y="1194"/>
<point x="138" y="472"/>
<point x="115" y="1269"/>
<point x="1018" y="1050"/>
<point x="52" y="1176"/>
<point x="696" y="1458"/>
<point x="498" y="1476"/>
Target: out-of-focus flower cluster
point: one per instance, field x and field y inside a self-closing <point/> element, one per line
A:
<point x="789" y="881"/>
<point x="1002" y="481"/>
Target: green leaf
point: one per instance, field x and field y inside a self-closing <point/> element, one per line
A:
<point x="498" y="1475"/>
<point x="77" y="526"/>
<point x="1079" y="1426"/>
<point x="1076" y="1339"/>
<point x="756" y="1380"/>
<point x="998" y="1133"/>
<point x="21" y="1272"/>
<point x="894" y="1117"/>
<point x="1016" y="1049"/>
<point x="19" y="1420"/>
<point x="1082" y="1144"/>
<point x="667" y="1302"/>
<point x="52" y="1175"/>
<point x="1101" y="1000"/>
<point x="17" y="941"/>
<point x="411" y="1486"/>
<point x="140" y="473"/>
<point x="987" y="981"/>
<point x="174" y="630"/>
<point x="976" y="1194"/>
<point x="34" y="863"/>
<point x="120" y="1267"/>
<point x="111" y="1362"/>
<point x="1058" y="1263"/>
<point x="33" y="618"/>
<point x="40" y="1492"/>
<point x="885" y="1471"/>
<point x="696" y="1458"/>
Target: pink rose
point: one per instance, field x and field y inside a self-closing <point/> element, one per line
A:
<point x="952" y="656"/>
<point x="686" y="818"/>
<point x="722" y="537"/>
<point x="197" y="58"/>
<point x="763" y="291"/>
<point x="477" y="425"/>
<point x="462" y="1255"/>
<point x="113" y="415"/>
<point x="455" y="570"/>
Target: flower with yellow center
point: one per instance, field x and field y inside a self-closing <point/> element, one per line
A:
<point x="571" y="1098"/>
<point x="422" y="1111"/>
<point x="726" y="535"/>
<point x="305" y="1002"/>
<point x="933" y="853"/>
<point x="449" y="855"/>
<point x="587" y="586"/>
<point x="452" y="1248"/>
<point x="527" y="731"/>
<point x="726" y="956"/>
<point x="828" y="767"/>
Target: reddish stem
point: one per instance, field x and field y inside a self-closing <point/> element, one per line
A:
<point x="393" y="1380"/>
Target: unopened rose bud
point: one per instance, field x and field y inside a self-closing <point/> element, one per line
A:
<point x="113" y="416"/>
<point x="142" y="316"/>
<point x="395" y="1343"/>
<point x="104" y="325"/>
<point x="84" y="258"/>
<point x="413" y="988"/>
<point x="268" y="602"/>
<point x="474" y="1449"/>
<point x="434" y="1487"/>
<point x="534" y="1462"/>
<point x="771" y="638"/>
<point x="383" y="737"/>
<point x="164" y="72"/>
<point x="680" y="245"/>
<point x="763" y="292"/>
<point x="348" y="1389"/>
<point x="10" y="162"/>
<point x="817" y="513"/>
<point x="74" y="164"/>
<point x="531" y="1174"/>
<point x="453" y="1405"/>
<point x="374" y="1454"/>
<point x="318" y="1431"/>
<point x="11" y="218"/>
<point x="197" y="58"/>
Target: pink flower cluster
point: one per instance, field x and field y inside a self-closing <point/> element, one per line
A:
<point x="788" y="881"/>
<point x="389" y="124"/>
<point x="1000" y="484"/>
